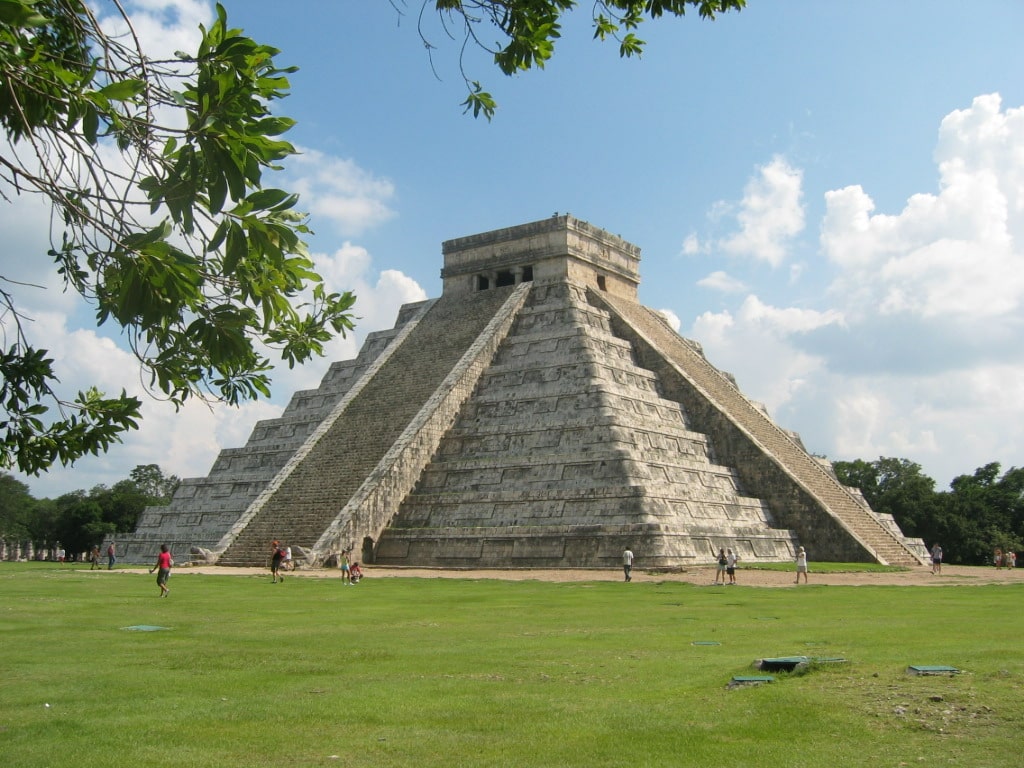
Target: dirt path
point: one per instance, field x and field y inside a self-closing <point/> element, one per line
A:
<point x="952" y="575"/>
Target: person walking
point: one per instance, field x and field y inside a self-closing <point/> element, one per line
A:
<point x="94" y="558"/>
<point x="731" y="558"/>
<point x="801" y="564"/>
<point x="627" y="563"/>
<point x="936" y="558"/>
<point x="164" y="562"/>
<point x="111" y="556"/>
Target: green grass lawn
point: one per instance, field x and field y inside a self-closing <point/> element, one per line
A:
<point x="444" y="672"/>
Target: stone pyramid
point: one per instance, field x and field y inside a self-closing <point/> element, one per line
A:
<point x="535" y="415"/>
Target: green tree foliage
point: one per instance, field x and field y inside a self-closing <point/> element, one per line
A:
<point x="978" y="513"/>
<point x="81" y="519"/>
<point x="150" y="480"/>
<point x="81" y="526"/>
<point x="178" y="242"/>
<point x="122" y="503"/>
<point x="529" y="30"/>
<point x="985" y="510"/>
<point x="16" y="505"/>
<point x="896" y="487"/>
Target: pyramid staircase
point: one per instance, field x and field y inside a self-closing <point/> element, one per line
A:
<point x="202" y="509"/>
<point x="310" y="495"/>
<point x="722" y="401"/>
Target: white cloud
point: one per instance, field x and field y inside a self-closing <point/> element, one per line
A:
<point x="163" y="26"/>
<point x="915" y="351"/>
<point x="340" y="191"/>
<point x="25" y="223"/>
<point x="671" y="318"/>
<point x="378" y="299"/>
<point x="755" y="344"/>
<point x="955" y="253"/>
<point x="950" y="423"/>
<point x="770" y="214"/>
<point x="723" y="282"/>
<point x="182" y="442"/>
<point x="692" y="245"/>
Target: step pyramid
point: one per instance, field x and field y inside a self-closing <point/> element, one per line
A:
<point x="535" y="415"/>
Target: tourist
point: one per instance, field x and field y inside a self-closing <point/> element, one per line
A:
<point x="1010" y="558"/>
<point x="276" y="556"/>
<point x="356" y="573"/>
<point x="627" y="563"/>
<point x="801" y="564"/>
<point x="722" y="562"/>
<point x="346" y="569"/>
<point x="94" y="558"/>
<point x="164" y="561"/>
<point x="997" y="558"/>
<point x="936" y="558"/>
<point x="731" y="558"/>
<point x="288" y="563"/>
<point x="111" y="556"/>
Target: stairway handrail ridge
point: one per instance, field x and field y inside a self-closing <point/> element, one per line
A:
<point x="470" y="365"/>
<point x="256" y="505"/>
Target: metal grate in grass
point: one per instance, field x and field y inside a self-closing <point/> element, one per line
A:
<point x="921" y="669"/>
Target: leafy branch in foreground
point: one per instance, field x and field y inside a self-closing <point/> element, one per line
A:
<point x="530" y="29"/>
<point x="154" y="170"/>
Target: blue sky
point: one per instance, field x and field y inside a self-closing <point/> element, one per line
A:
<point x="829" y="197"/>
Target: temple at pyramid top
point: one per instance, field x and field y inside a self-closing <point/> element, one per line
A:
<point x="558" y="249"/>
<point x="533" y="415"/>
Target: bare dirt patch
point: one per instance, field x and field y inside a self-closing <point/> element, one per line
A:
<point x="952" y="575"/>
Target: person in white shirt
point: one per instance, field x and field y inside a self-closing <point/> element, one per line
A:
<point x="801" y="564"/>
<point x="731" y="558"/>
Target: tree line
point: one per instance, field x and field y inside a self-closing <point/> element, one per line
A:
<point x="80" y="519"/>
<point x="978" y="514"/>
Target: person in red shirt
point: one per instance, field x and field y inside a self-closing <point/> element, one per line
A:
<point x="164" y="561"/>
